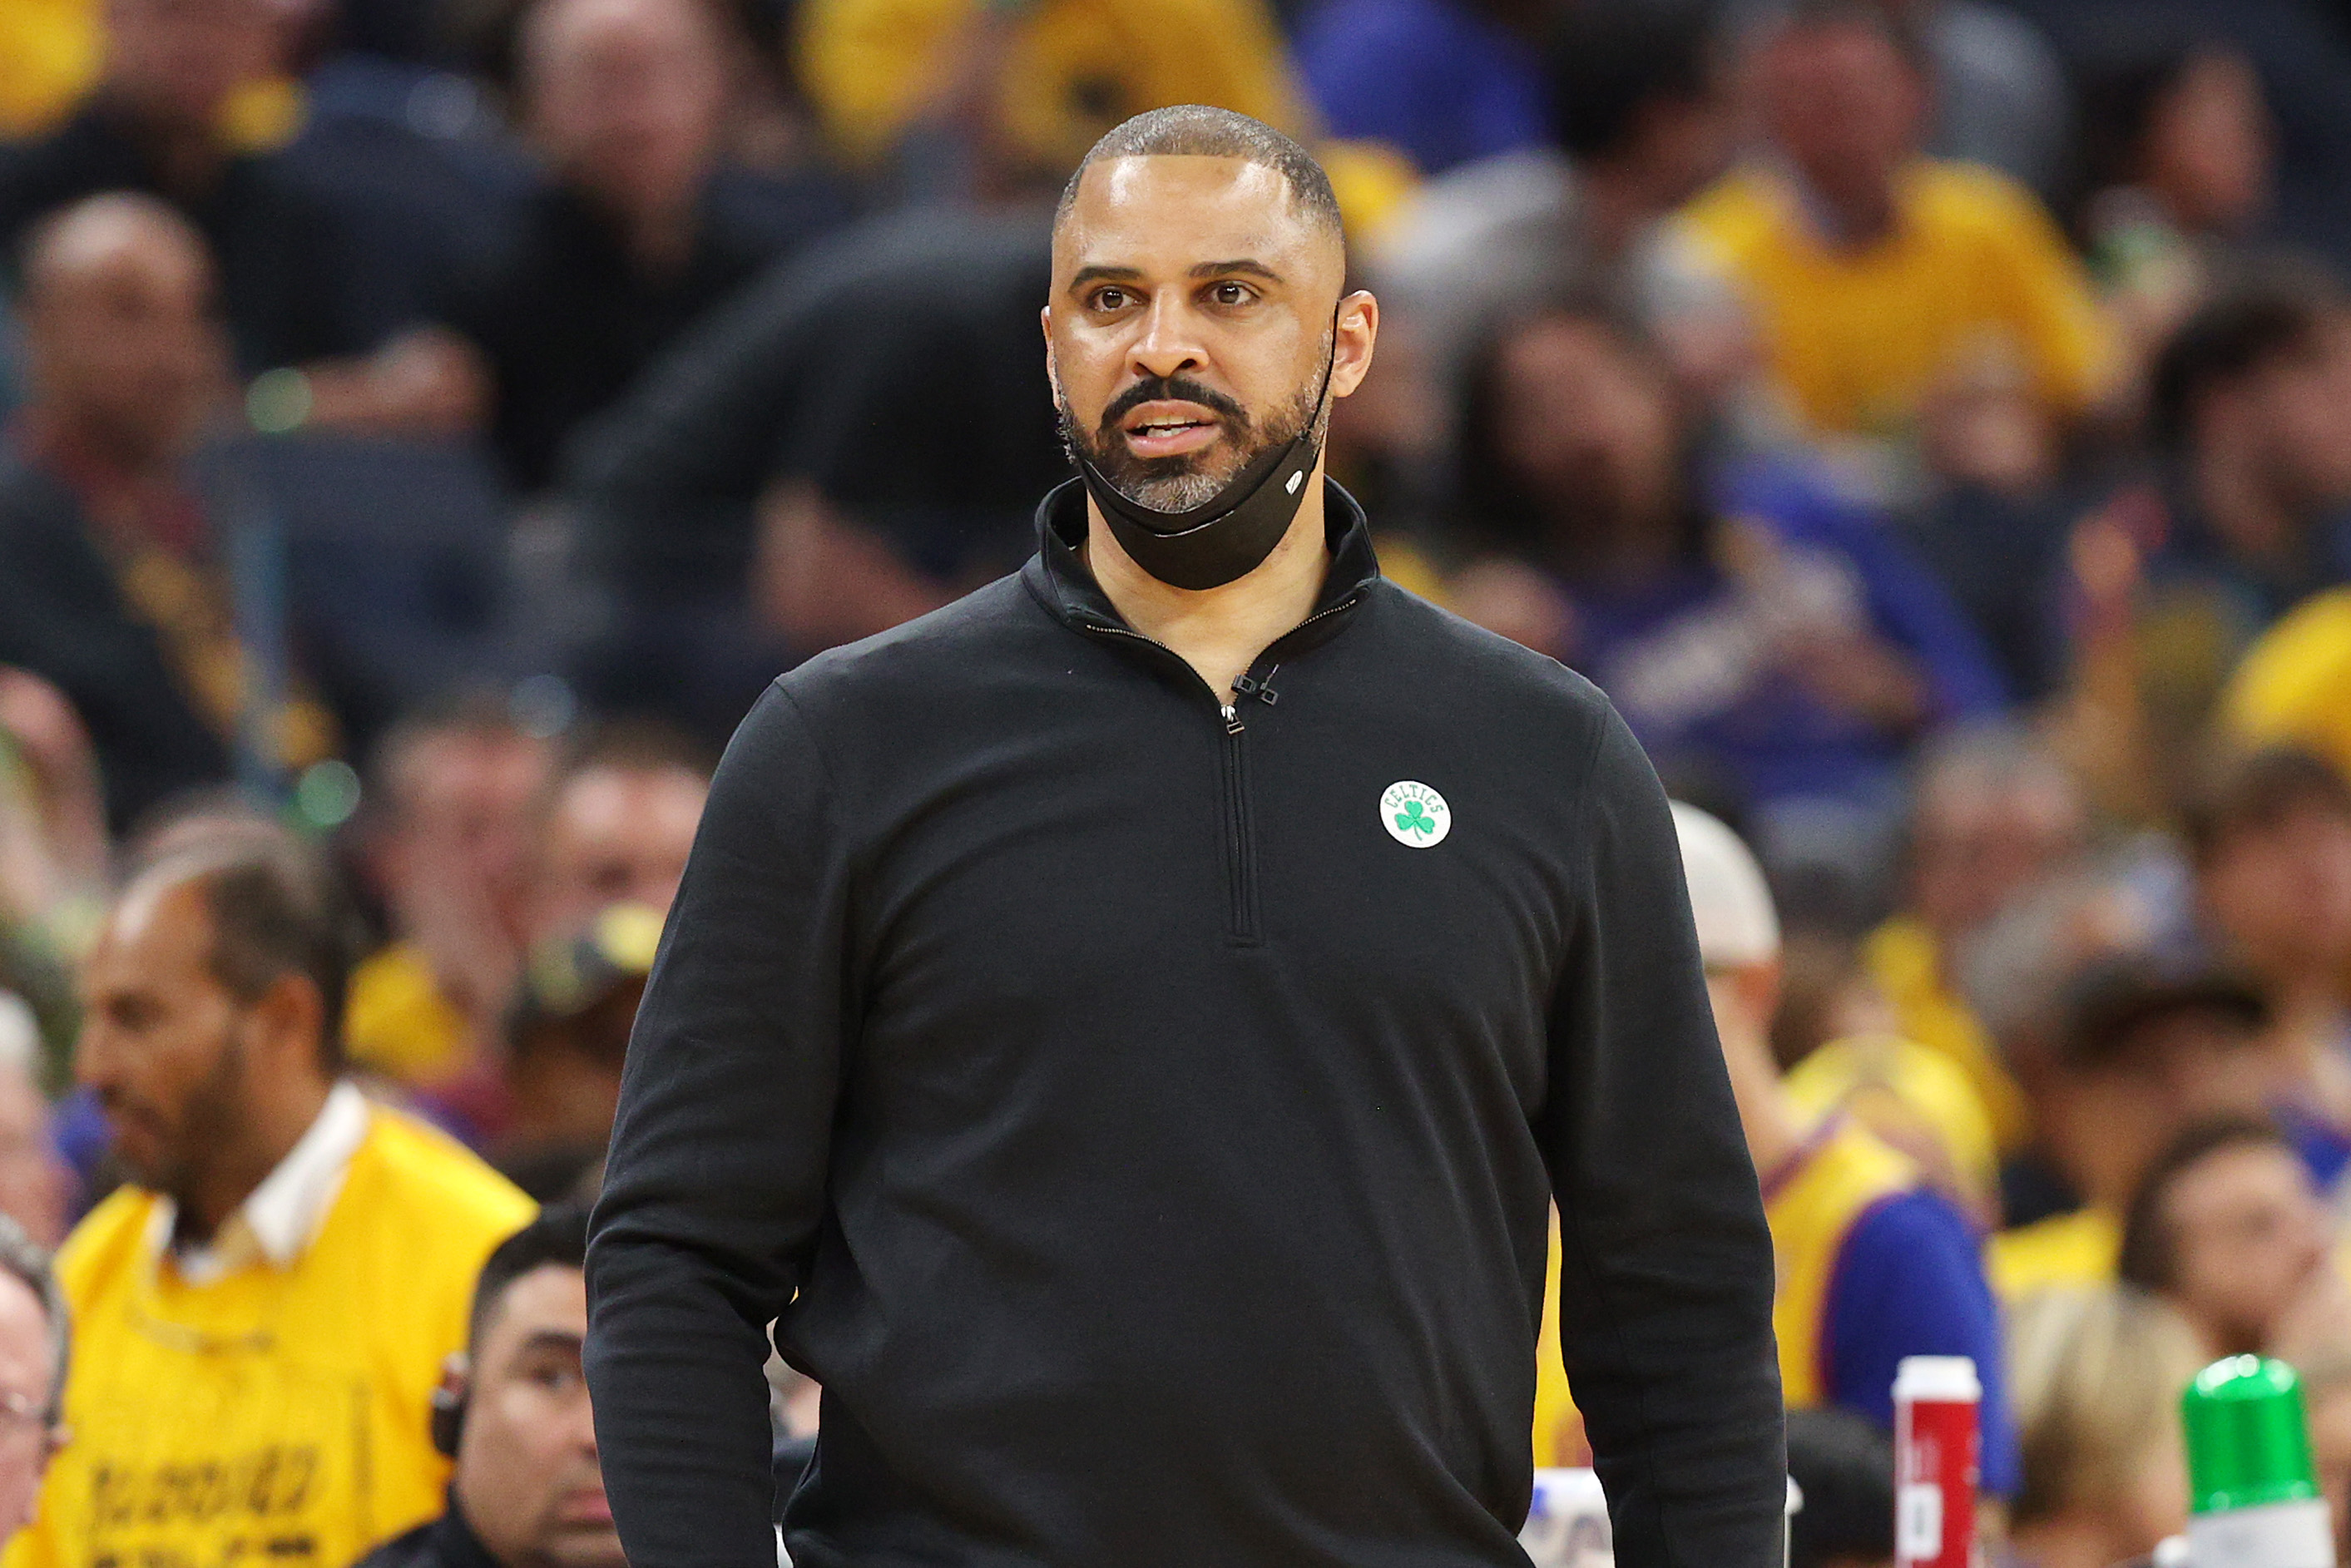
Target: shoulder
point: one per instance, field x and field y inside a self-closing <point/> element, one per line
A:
<point x="1917" y="1231"/>
<point x="1968" y="199"/>
<point x="1740" y="211"/>
<point x="2065" y="1250"/>
<point x="417" y="1175"/>
<point x="411" y="1549"/>
<point x="110" y="1239"/>
<point x="1490" y="665"/>
<point x="924" y="660"/>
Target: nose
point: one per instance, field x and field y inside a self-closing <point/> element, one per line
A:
<point x="1170" y="341"/>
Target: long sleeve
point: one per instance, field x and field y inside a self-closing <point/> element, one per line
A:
<point x="716" y="1184"/>
<point x="1665" y="1281"/>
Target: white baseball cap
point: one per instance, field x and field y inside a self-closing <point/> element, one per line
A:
<point x="1737" y="924"/>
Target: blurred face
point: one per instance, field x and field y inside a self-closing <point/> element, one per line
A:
<point x="26" y="1371"/>
<point x="1841" y="104"/>
<point x="2210" y="148"/>
<point x="527" y="1474"/>
<point x="1588" y="425"/>
<point x="2294" y="417"/>
<point x="1684" y="145"/>
<point x="2281" y="894"/>
<point x="33" y="1180"/>
<point x="463" y="810"/>
<point x="164" y="1044"/>
<point x="1976" y="845"/>
<point x="2178" y="1068"/>
<point x="175" y="62"/>
<point x="2249" y="1233"/>
<point x="626" y="98"/>
<point x="615" y="835"/>
<point x="1192" y="322"/>
<point x="125" y="351"/>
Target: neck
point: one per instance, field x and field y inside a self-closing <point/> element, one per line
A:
<point x="1219" y="632"/>
<point x="277" y="1124"/>
<point x="1775" y="1130"/>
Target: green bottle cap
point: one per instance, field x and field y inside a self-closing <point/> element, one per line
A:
<point x="2247" y="1442"/>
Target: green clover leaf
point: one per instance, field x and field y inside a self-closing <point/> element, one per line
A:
<point x="1414" y="819"/>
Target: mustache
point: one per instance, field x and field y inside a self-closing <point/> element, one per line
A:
<point x="1171" y="388"/>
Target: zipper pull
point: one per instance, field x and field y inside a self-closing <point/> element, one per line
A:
<point x="1262" y="690"/>
<point x="1233" y="725"/>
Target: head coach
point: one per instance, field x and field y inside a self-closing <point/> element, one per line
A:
<point x="1124" y="1028"/>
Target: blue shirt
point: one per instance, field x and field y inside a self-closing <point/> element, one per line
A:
<point x="1910" y="1281"/>
<point x="1436" y="81"/>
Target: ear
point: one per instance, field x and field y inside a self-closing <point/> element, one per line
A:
<point x="1052" y="371"/>
<point x="1353" y="337"/>
<point x="291" y="1018"/>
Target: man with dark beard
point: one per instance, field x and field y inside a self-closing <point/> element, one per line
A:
<point x="270" y="1301"/>
<point x="1125" y="1029"/>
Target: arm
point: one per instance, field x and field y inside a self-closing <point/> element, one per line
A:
<point x="715" y="1183"/>
<point x="1666" y="1277"/>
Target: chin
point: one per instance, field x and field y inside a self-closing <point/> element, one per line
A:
<point x="585" y="1546"/>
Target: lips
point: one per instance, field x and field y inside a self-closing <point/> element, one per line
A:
<point x="1169" y="429"/>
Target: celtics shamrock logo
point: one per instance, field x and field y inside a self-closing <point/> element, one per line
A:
<point x="1414" y="815"/>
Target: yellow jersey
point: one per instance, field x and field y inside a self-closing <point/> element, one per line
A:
<point x="274" y="1415"/>
<point x="399" y="1023"/>
<point x="1855" y="338"/>
<point x="2293" y="686"/>
<point x="2066" y="1251"/>
<point x="1902" y="958"/>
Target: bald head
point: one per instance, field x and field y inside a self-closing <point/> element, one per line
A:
<point x="1198" y="130"/>
<point x="626" y="98"/>
<point x="124" y="351"/>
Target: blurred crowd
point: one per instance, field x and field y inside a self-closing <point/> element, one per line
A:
<point x="428" y="424"/>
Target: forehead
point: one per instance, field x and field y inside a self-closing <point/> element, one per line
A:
<point x="551" y="1298"/>
<point x="160" y="928"/>
<point x="1171" y="211"/>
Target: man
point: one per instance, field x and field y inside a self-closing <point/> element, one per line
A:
<point x="1872" y="272"/>
<point x="1126" y="1028"/>
<point x="272" y="1297"/>
<point x="513" y="1414"/>
<point x="32" y="1348"/>
<point x="616" y="824"/>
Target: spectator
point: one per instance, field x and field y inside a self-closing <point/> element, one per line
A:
<point x="1444" y="82"/>
<point x="1872" y="272"/>
<point x="1782" y="653"/>
<point x="1991" y="811"/>
<point x="449" y="844"/>
<point x="637" y="233"/>
<point x="617" y="820"/>
<point x="513" y="1414"/>
<point x="271" y="1298"/>
<point x="111" y="585"/>
<point x="53" y="851"/>
<point x="2293" y="684"/>
<point x="2098" y="1374"/>
<point x="35" y="1186"/>
<point x="2149" y="1048"/>
<point x="1638" y="124"/>
<point x="33" y="1356"/>
<point x="156" y="123"/>
<point x="1844" y="1465"/>
<point x="2227" y="1229"/>
<point x="2271" y="840"/>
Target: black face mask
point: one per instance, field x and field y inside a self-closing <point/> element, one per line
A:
<point x="1229" y="535"/>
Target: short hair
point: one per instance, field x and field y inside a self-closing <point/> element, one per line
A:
<point x="2257" y="790"/>
<point x="556" y="1238"/>
<point x="277" y="907"/>
<point x="29" y="1262"/>
<point x="1906" y="38"/>
<point x="2275" y="310"/>
<point x="1198" y="130"/>
<point x="2149" y="1259"/>
<point x="2095" y="1378"/>
<point x="468" y="715"/>
<point x="1844" y="1465"/>
<point x="629" y="745"/>
<point x="1606" y="64"/>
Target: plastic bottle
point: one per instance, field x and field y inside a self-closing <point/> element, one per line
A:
<point x="2253" y="1497"/>
<point x="1936" y="1401"/>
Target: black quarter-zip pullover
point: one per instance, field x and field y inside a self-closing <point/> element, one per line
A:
<point x="1139" y="1113"/>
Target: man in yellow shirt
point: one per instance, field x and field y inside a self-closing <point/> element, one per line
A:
<point x="1873" y="273"/>
<point x="260" y="1320"/>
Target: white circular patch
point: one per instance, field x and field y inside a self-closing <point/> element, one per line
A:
<point x="1414" y="815"/>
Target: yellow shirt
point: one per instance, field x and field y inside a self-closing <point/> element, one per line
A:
<point x="277" y="1414"/>
<point x="1916" y="1100"/>
<point x="1073" y="68"/>
<point x="2066" y="1251"/>
<point x="48" y="54"/>
<point x="1902" y="959"/>
<point x="2294" y="684"/>
<point x="1973" y="267"/>
<point x="398" y="1023"/>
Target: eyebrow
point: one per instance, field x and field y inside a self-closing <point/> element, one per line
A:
<point x="1240" y="266"/>
<point x="550" y="1339"/>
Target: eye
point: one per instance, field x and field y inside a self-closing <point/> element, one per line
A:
<point x="1230" y="292"/>
<point x="1111" y="297"/>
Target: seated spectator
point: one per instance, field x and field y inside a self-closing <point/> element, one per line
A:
<point x="1782" y="655"/>
<point x="2149" y="1048"/>
<point x="35" y="1187"/>
<point x="156" y="123"/>
<point x="1639" y="123"/>
<point x="2293" y="684"/>
<point x="2228" y="1231"/>
<point x="1914" y="1100"/>
<point x="2097" y="1375"/>
<point x="2250" y="410"/>
<point x="2271" y="840"/>
<point x="1991" y="811"/>
<point x="1873" y="1265"/>
<point x="1844" y="1465"/>
<point x="639" y="229"/>
<point x="273" y="1295"/>
<point x="1872" y="272"/>
<point x="448" y="844"/>
<point x="1444" y="82"/>
<point x="513" y="1414"/>
<point x="112" y="582"/>
<point x="33" y="1335"/>
<point x="53" y="851"/>
<point x="616" y="823"/>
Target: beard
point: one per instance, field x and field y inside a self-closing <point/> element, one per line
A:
<point x="210" y="1120"/>
<point x="1189" y="480"/>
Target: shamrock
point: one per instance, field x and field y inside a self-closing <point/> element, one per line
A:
<point x="1414" y="819"/>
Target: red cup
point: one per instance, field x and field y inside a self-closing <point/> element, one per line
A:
<point x="1936" y="1400"/>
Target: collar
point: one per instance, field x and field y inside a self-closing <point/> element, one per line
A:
<point x="1059" y="579"/>
<point x="279" y="1219"/>
<point x="454" y="1545"/>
